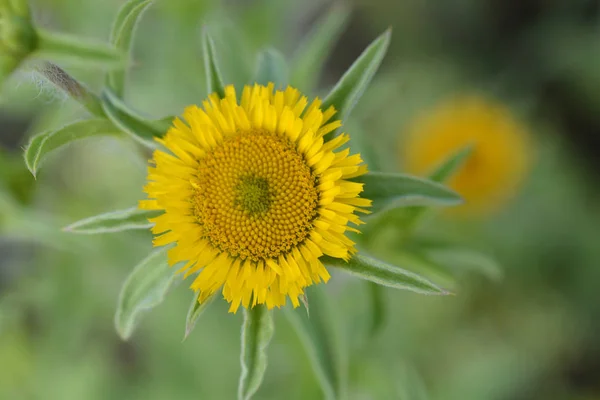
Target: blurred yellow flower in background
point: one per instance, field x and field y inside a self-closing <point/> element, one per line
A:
<point x="500" y="153"/>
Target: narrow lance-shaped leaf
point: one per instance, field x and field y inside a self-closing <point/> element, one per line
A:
<point x="389" y="190"/>
<point x="257" y="332"/>
<point x="310" y="57"/>
<point x="442" y="173"/>
<point x="271" y="67"/>
<point x="323" y="343"/>
<point x="75" y="51"/>
<point x="354" y="82"/>
<point x="196" y="309"/>
<point x="71" y="87"/>
<point x="114" y="221"/>
<point x="121" y="37"/>
<point x="214" y="81"/>
<point x="450" y="166"/>
<point x="418" y="261"/>
<point x="382" y="273"/>
<point x="41" y="145"/>
<point x="129" y="121"/>
<point x="145" y="288"/>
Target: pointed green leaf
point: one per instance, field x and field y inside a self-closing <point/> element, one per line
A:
<point x="122" y="38"/>
<point x="389" y="190"/>
<point x="145" y="288"/>
<point x="418" y="261"/>
<point x="78" y="52"/>
<point x="271" y="67"/>
<point x="309" y="59"/>
<point x="195" y="311"/>
<point x="354" y="82"/>
<point x="214" y="81"/>
<point x="41" y="145"/>
<point x="442" y="173"/>
<point x="114" y="221"/>
<point x="257" y="332"/>
<point x="448" y="167"/>
<point x="382" y="273"/>
<point x="321" y="338"/>
<point x="129" y="121"/>
<point x="71" y="87"/>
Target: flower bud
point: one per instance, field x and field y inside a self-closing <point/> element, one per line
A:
<point x="18" y="37"/>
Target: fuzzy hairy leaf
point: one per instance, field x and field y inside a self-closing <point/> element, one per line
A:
<point x="321" y="338"/>
<point x="257" y="331"/>
<point x="214" y="79"/>
<point x="129" y="121"/>
<point x="271" y="67"/>
<point x="121" y="37"/>
<point x="78" y="52"/>
<point x="41" y="145"/>
<point x="382" y="273"/>
<point x="114" y="221"/>
<point x="144" y="289"/>
<point x="70" y="86"/>
<point x="354" y="82"/>
<point x="310" y="57"/>
<point x="390" y="190"/>
<point x="195" y="312"/>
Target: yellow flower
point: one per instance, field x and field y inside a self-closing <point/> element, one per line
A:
<point x="253" y="195"/>
<point x="499" y="157"/>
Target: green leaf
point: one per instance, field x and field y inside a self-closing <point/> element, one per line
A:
<point x="75" y="51"/>
<point x="122" y="38"/>
<point x="462" y="259"/>
<point x="41" y="145"/>
<point x="195" y="311"/>
<point x="382" y="273"/>
<point x="257" y="332"/>
<point x="271" y="67"/>
<point x="71" y="87"/>
<point x="145" y="288"/>
<point x="442" y="173"/>
<point x="214" y="81"/>
<point x="446" y="169"/>
<point x="389" y="190"/>
<point x="129" y="121"/>
<point x="320" y="337"/>
<point x="418" y="261"/>
<point x="309" y="59"/>
<point x="354" y="82"/>
<point x="114" y="221"/>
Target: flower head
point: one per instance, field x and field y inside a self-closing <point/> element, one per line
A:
<point x="499" y="156"/>
<point x="253" y="195"/>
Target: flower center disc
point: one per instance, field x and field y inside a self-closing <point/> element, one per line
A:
<point x="256" y="197"/>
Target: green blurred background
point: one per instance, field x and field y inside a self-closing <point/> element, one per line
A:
<point x="532" y="335"/>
